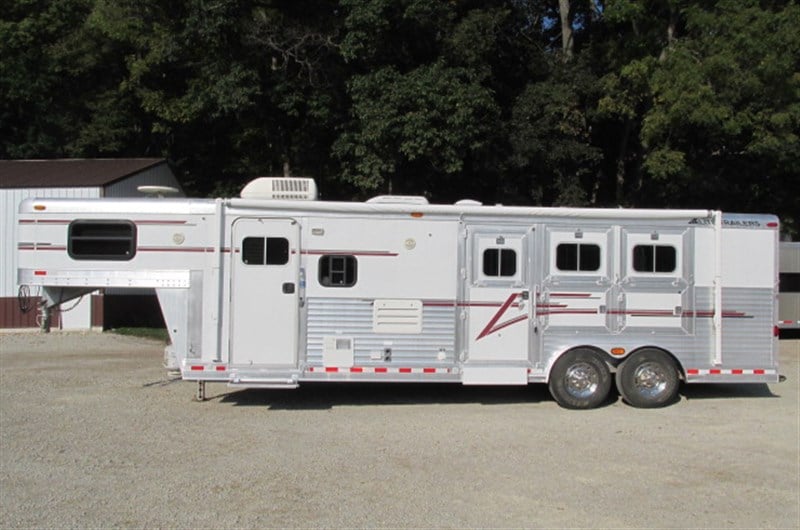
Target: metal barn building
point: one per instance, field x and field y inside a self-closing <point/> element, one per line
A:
<point x="64" y="178"/>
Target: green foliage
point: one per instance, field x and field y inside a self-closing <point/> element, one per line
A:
<point x="664" y="103"/>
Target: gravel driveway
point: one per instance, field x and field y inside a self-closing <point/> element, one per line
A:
<point x="94" y="434"/>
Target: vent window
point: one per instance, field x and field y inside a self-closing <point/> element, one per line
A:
<point x="578" y="257"/>
<point x="338" y="271"/>
<point x="654" y="258"/>
<point x="265" y="251"/>
<point x="102" y="240"/>
<point x="500" y="262"/>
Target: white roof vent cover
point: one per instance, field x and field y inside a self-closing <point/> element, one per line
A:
<point x="282" y="188"/>
<point x="398" y="199"/>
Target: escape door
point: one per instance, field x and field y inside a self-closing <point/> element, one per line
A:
<point x="264" y="292"/>
<point x="497" y="296"/>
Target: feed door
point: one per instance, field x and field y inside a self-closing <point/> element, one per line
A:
<point x="264" y="292"/>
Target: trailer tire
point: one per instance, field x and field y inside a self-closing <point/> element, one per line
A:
<point x="648" y="379"/>
<point x="580" y="379"/>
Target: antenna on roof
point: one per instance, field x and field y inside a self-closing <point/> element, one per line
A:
<point x="157" y="191"/>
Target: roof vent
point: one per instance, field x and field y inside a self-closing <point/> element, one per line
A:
<point x="158" y="191"/>
<point x="468" y="202"/>
<point x="283" y="188"/>
<point x="398" y="199"/>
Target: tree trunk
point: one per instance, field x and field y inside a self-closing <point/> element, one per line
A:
<point x="566" y="28"/>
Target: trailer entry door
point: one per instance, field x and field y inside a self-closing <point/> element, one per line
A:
<point x="264" y="292"/>
<point x="498" y="299"/>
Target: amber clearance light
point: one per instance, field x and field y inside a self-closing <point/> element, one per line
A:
<point x="617" y="351"/>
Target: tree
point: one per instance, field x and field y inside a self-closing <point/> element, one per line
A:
<point x="723" y="127"/>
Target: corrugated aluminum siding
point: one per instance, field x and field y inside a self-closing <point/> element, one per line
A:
<point x="354" y="318"/>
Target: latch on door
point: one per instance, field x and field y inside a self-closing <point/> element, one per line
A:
<point x="288" y="288"/>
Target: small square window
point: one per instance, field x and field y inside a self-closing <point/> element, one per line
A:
<point x="578" y="257"/>
<point x="265" y="251"/>
<point x="654" y="258"/>
<point x="501" y="262"/>
<point x="338" y="271"/>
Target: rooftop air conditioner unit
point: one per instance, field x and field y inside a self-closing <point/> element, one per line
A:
<point x="281" y="188"/>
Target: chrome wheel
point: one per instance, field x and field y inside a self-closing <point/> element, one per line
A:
<point x="650" y="379"/>
<point x="582" y="380"/>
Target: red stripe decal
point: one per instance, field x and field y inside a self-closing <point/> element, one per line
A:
<point x="405" y="370"/>
<point x="380" y="370"/>
<point x="356" y="369"/>
<point x="197" y="368"/>
<point x="715" y="371"/>
<point x="429" y="370"/>
<point x="220" y="368"/>
<point x="40" y="273"/>
<point x="489" y="329"/>
<point x="758" y="372"/>
<point x="331" y="369"/>
<point x="373" y="253"/>
<point x="736" y="371"/>
<point x="693" y="371"/>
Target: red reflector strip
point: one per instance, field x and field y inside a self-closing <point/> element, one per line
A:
<point x="732" y="371"/>
<point x="197" y="368"/>
<point x="40" y="273"/>
<point x="377" y="370"/>
<point x="220" y="368"/>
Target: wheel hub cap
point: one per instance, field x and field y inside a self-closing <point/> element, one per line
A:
<point x="582" y="380"/>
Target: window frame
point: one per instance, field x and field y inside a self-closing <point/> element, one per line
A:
<point x="654" y="247"/>
<point x="265" y="251"/>
<point x="499" y="263"/>
<point x="578" y="245"/>
<point x="348" y="258"/>
<point x="131" y="237"/>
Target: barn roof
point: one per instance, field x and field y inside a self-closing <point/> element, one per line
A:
<point x="71" y="172"/>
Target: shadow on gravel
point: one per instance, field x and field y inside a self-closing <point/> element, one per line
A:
<point x="725" y="391"/>
<point x="322" y="396"/>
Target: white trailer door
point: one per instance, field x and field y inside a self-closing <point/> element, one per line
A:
<point x="264" y="292"/>
<point x="498" y="296"/>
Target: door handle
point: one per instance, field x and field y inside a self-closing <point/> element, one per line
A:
<point x="288" y="288"/>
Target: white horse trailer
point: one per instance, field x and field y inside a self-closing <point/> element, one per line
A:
<point x="270" y="291"/>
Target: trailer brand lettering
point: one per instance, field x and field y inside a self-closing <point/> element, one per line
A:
<point x="276" y="289"/>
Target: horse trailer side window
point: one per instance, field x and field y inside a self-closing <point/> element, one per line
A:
<point x="499" y="262"/>
<point x="789" y="282"/>
<point x="102" y="240"/>
<point x="654" y="258"/>
<point x="338" y="271"/>
<point x="578" y="257"/>
<point x="265" y="251"/>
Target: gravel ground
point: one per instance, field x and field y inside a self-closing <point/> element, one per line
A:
<point x="94" y="434"/>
